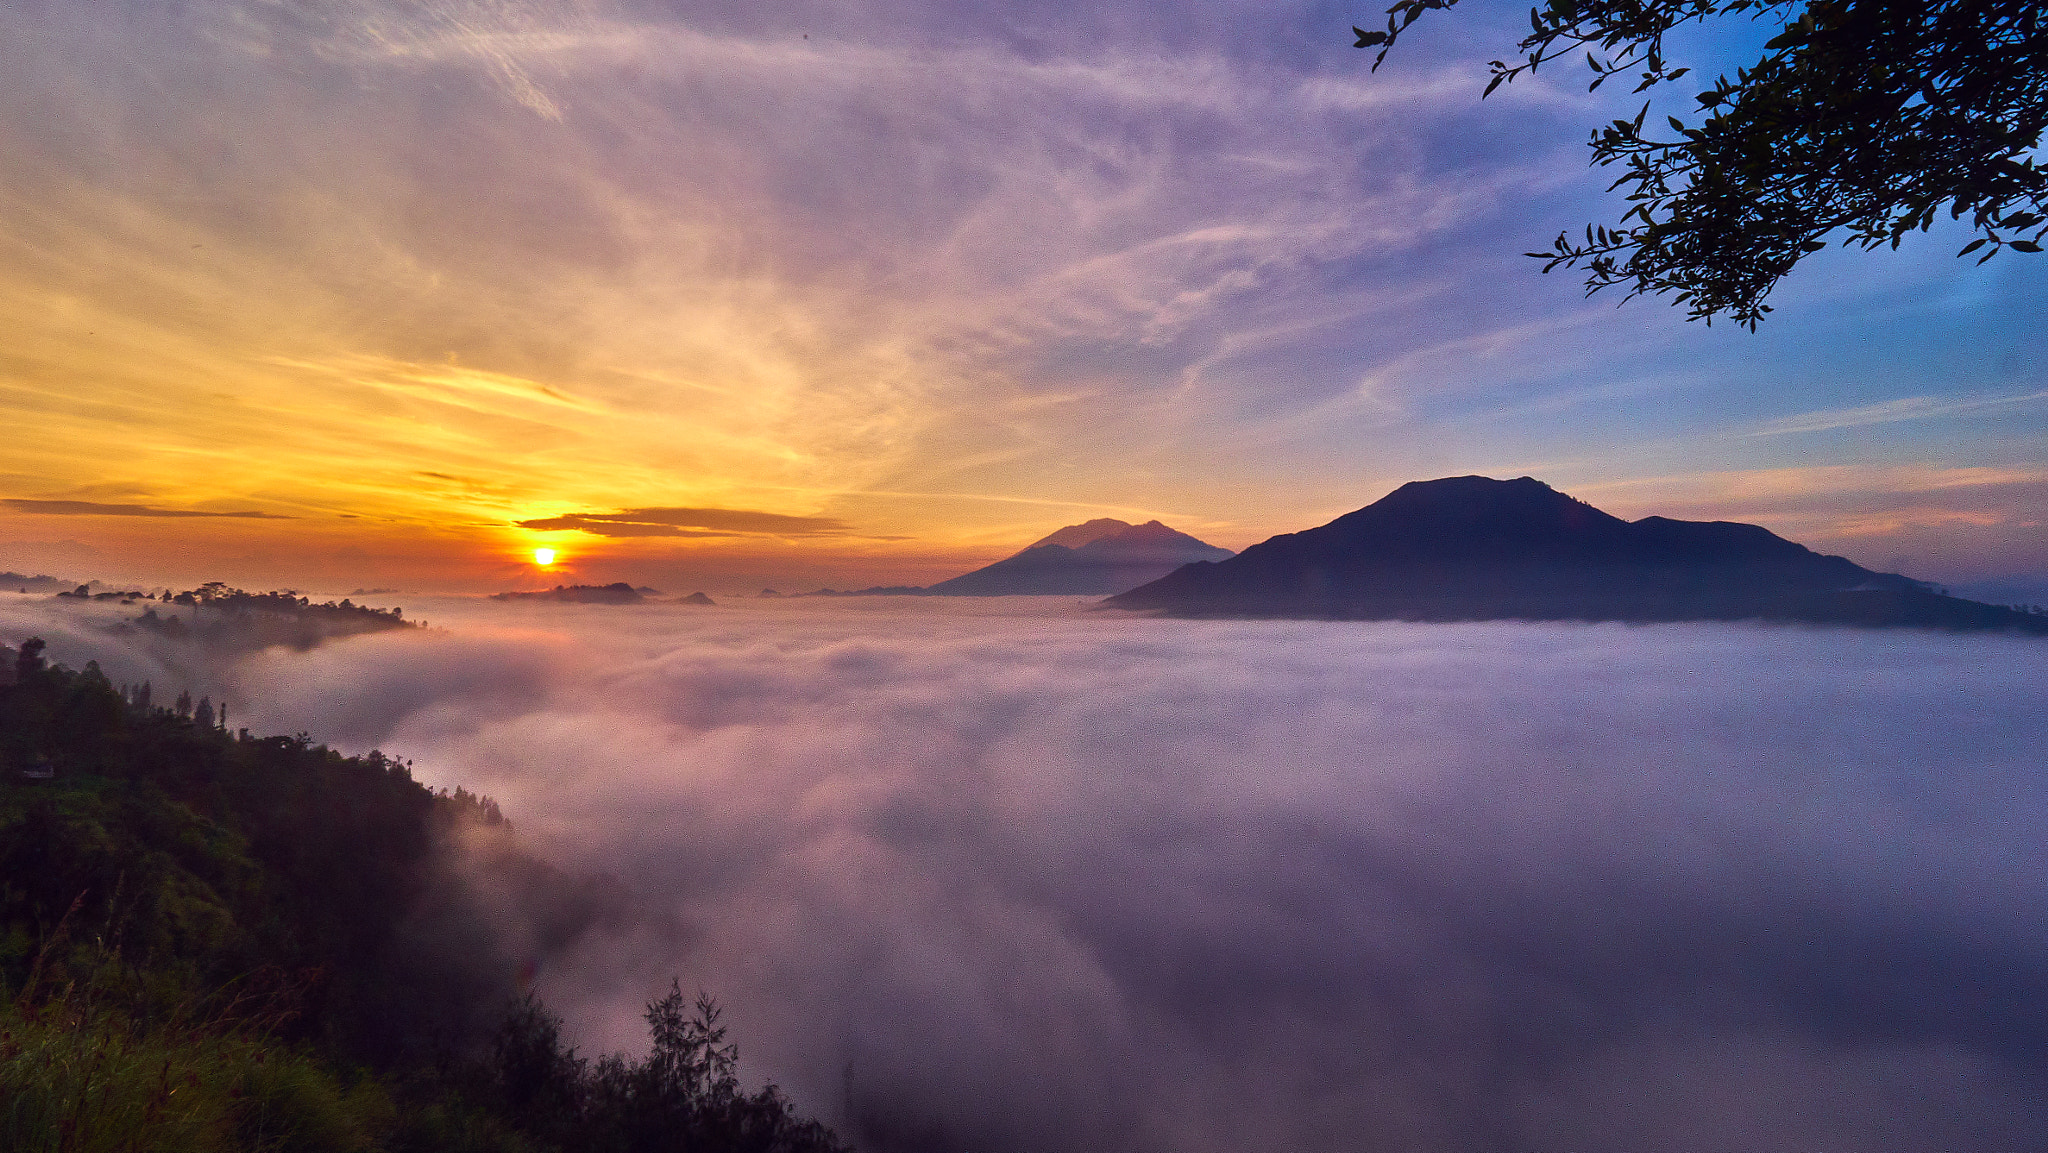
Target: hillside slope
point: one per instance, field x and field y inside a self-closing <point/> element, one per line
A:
<point x="218" y="943"/>
<point x="1473" y="548"/>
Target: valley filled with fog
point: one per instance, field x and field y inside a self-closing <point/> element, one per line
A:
<point x="1017" y="874"/>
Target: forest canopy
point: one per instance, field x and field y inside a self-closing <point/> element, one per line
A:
<point x="216" y="942"/>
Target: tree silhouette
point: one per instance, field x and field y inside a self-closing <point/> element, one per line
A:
<point x="1864" y="118"/>
<point x="28" y="661"/>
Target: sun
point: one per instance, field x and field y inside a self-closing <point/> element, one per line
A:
<point x="543" y="557"/>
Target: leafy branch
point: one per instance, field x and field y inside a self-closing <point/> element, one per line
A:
<point x="1863" y="117"/>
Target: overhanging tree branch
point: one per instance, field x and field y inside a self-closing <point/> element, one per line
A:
<point x="1866" y="118"/>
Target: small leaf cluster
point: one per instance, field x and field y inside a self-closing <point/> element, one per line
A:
<point x="1865" y="119"/>
<point x="684" y="1095"/>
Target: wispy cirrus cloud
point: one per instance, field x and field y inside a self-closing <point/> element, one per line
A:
<point x="1892" y="411"/>
<point x="95" y="508"/>
<point x="646" y="522"/>
<point x="721" y="251"/>
<point x="600" y="255"/>
<point x="1827" y="482"/>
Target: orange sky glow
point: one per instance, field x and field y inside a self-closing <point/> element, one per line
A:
<point x="370" y="287"/>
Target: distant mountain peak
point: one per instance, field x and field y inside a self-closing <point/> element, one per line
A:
<point x="1094" y="559"/>
<point x="1466" y="500"/>
<point x="1150" y="530"/>
<point x="1076" y="535"/>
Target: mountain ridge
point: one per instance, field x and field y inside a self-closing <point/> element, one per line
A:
<point x="1087" y="532"/>
<point x="1475" y="548"/>
<point x="1107" y="560"/>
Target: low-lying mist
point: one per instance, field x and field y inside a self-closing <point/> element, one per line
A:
<point x="1023" y="876"/>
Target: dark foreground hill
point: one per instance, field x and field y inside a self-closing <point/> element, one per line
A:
<point x="1473" y="548"/>
<point x="1093" y="559"/>
<point x="218" y="943"/>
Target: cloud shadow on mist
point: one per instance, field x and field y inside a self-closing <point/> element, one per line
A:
<point x="1064" y="883"/>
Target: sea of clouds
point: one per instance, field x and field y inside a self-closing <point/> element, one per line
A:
<point x="1018" y="875"/>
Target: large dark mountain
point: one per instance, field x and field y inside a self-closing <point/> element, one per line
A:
<point x="1093" y="559"/>
<point x="1473" y="548"/>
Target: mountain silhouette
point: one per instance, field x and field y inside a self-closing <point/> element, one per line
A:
<point x="1094" y="559"/>
<point x="618" y="593"/>
<point x="1474" y="548"/>
<point x="1076" y="535"/>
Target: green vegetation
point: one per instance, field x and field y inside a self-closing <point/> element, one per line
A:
<point x="212" y="941"/>
<point x="230" y="618"/>
<point x="77" y="1078"/>
<point x="1866" y="119"/>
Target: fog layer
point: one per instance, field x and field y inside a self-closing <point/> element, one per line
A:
<point x="1022" y="876"/>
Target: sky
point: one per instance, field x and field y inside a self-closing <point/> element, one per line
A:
<point x="1005" y="875"/>
<point x="846" y="292"/>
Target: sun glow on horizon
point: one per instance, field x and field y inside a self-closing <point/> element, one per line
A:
<point x="543" y="557"/>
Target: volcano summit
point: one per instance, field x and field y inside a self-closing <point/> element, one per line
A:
<point x="1474" y="548"/>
